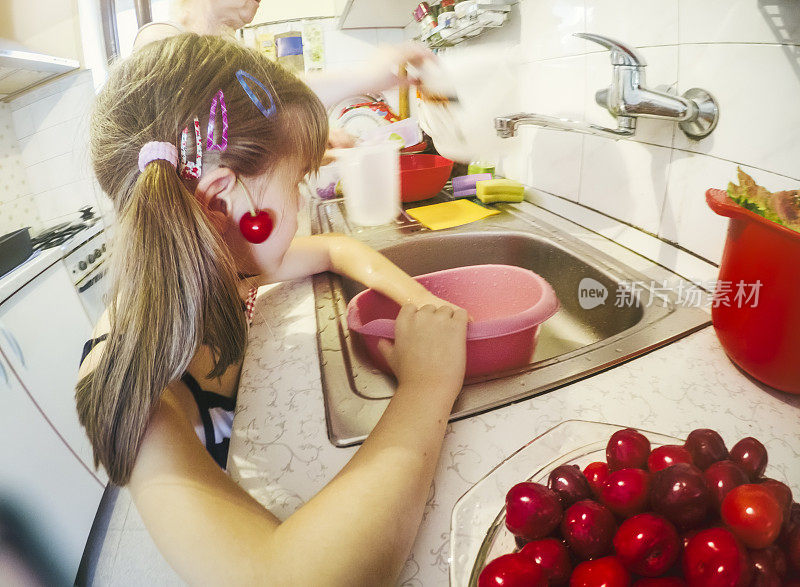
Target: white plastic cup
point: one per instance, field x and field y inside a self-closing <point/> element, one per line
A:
<point x="371" y="182"/>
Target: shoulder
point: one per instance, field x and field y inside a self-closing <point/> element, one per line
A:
<point x="101" y="329"/>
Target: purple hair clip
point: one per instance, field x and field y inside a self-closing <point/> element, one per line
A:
<point x="243" y="76"/>
<point x="219" y="98"/>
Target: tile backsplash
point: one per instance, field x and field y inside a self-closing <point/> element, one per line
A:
<point x="746" y="53"/>
<point x="51" y="128"/>
<point x="17" y="208"/>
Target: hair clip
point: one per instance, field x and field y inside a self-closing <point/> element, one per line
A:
<point x="243" y="76"/>
<point x="192" y="169"/>
<point x="219" y="98"/>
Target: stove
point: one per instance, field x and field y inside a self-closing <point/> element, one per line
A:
<point x="59" y="234"/>
<point x="84" y="252"/>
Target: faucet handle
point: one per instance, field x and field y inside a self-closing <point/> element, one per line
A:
<point x="621" y="54"/>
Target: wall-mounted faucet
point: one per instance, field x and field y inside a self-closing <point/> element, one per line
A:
<point x="627" y="98"/>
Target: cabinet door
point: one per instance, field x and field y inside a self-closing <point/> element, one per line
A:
<point x="42" y="331"/>
<point x="41" y="480"/>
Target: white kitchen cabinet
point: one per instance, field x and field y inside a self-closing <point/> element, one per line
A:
<point x="41" y="480"/>
<point x="270" y="12"/>
<point x="359" y="14"/>
<point x="42" y="331"/>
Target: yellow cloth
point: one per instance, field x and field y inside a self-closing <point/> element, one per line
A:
<point x="450" y="214"/>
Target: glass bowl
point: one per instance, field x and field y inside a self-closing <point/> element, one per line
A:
<point x="478" y="532"/>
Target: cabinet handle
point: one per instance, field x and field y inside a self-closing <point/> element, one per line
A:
<point x="13" y="342"/>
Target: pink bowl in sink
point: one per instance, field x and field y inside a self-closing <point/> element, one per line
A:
<point x="507" y="304"/>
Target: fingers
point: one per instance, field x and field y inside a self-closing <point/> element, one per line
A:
<point x="386" y="348"/>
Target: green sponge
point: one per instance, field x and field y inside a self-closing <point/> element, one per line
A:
<point x="490" y="191"/>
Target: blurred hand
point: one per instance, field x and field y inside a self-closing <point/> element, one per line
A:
<point x="386" y="63"/>
<point x="338" y="138"/>
<point x="429" y="349"/>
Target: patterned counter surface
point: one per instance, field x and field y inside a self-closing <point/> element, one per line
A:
<point x="280" y="451"/>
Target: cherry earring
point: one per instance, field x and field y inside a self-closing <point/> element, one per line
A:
<point x="256" y="225"/>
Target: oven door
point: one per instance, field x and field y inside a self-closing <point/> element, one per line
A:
<point x="92" y="291"/>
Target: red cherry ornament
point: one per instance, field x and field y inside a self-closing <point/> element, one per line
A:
<point x="257" y="227"/>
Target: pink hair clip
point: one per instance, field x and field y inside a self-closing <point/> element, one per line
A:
<point x="192" y="169"/>
<point x="219" y="98"/>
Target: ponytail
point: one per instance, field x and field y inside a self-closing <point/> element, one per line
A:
<point x="174" y="289"/>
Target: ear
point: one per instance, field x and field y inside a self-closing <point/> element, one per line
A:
<point x="214" y="191"/>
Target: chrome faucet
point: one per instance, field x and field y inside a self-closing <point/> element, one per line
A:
<point x="628" y="98"/>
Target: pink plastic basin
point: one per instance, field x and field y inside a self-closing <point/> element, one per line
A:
<point x="507" y="304"/>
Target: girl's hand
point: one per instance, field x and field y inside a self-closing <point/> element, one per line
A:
<point x="384" y="68"/>
<point x="426" y="298"/>
<point x="417" y="333"/>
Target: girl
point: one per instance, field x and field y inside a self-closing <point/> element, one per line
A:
<point x="158" y="382"/>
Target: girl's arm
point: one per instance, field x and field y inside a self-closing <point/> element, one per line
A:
<point x="349" y="257"/>
<point x="358" y="530"/>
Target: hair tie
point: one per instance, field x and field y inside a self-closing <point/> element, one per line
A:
<point x="155" y="150"/>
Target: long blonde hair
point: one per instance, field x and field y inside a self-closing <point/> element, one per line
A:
<point x="175" y="283"/>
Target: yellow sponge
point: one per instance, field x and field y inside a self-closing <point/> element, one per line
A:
<point x="490" y="191"/>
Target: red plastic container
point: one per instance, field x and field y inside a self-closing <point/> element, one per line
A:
<point x="763" y="340"/>
<point x="423" y="176"/>
<point x="507" y="304"/>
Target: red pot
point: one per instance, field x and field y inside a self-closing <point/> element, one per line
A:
<point x="763" y="338"/>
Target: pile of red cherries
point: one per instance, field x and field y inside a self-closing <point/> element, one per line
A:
<point x="695" y="515"/>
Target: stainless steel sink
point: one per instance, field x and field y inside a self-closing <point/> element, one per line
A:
<point x="574" y="343"/>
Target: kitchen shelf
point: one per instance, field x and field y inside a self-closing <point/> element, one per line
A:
<point x="468" y="27"/>
<point x="21" y="70"/>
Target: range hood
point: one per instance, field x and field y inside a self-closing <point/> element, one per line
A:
<point x="21" y="69"/>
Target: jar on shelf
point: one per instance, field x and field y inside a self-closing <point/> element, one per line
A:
<point x="427" y="21"/>
<point x="289" y="48"/>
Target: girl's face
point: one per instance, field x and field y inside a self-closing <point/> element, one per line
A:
<point x="278" y="193"/>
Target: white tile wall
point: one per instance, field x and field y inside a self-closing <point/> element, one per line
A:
<point x="51" y="125"/>
<point x="17" y="208"/>
<point x="746" y="53"/>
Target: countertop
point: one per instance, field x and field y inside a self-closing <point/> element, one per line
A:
<point x="280" y="451"/>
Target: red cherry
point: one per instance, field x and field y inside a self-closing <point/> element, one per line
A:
<point x="256" y="228"/>
<point x="647" y="545"/>
<point x="660" y="582"/>
<point x="706" y="446"/>
<point x="751" y="456"/>
<point x="781" y="492"/>
<point x="552" y="556"/>
<point x="512" y="570"/>
<point x="792" y="549"/>
<point x="714" y="558"/>
<point x="626" y="491"/>
<point x="627" y="449"/>
<point x="596" y="474"/>
<point x="666" y="456"/>
<point x="753" y="515"/>
<point x="679" y="493"/>
<point x="532" y="510"/>
<point x="588" y="529"/>
<point x="721" y="477"/>
<point x="603" y="572"/>
<point x="769" y="564"/>
<point x="569" y="484"/>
